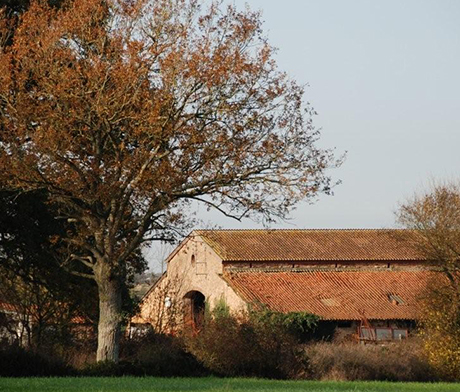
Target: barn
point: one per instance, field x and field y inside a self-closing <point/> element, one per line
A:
<point x="364" y="283"/>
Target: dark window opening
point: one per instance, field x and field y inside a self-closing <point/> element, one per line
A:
<point x="382" y="333"/>
<point x="194" y="309"/>
<point x="344" y="324"/>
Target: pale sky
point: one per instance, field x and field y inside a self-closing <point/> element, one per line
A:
<point x="384" y="77"/>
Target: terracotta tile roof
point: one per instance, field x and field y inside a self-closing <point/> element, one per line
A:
<point x="335" y="295"/>
<point x="6" y="307"/>
<point x="312" y="245"/>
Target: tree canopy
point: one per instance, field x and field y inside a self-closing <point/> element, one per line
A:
<point x="435" y="216"/>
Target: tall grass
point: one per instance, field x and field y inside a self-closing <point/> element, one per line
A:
<point x="401" y="361"/>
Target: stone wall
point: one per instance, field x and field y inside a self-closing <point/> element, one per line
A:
<point x="192" y="267"/>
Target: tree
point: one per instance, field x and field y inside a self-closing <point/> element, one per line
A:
<point x="30" y="272"/>
<point x="435" y="216"/>
<point x="126" y="112"/>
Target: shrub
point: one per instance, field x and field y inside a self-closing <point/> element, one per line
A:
<point x="72" y="347"/>
<point x="299" y="325"/>
<point x="16" y="361"/>
<point x="440" y="329"/>
<point x="402" y="361"/>
<point x="77" y="355"/>
<point x="148" y="355"/>
<point x="258" y="343"/>
<point x="156" y="355"/>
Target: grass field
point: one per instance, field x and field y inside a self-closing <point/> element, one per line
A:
<point x="150" y="384"/>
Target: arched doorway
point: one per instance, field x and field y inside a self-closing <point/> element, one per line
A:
<point x="194" y="302"/>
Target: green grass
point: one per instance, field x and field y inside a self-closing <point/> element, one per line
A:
<point x="150" y="384"/>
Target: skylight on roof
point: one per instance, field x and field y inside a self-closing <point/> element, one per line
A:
<point x="396" y="299"/>
<point x="329" y="301"/>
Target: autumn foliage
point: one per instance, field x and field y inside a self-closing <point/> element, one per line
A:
<point x="441" y="330"/>
<point x="435" y="216"/>
<point x="125" y="112"/>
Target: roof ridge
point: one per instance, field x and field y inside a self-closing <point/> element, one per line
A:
<point x="418" y="268"/>
<point x="316" y="229"/>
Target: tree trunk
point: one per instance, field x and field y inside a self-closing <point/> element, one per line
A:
<point x="108" y="334"/>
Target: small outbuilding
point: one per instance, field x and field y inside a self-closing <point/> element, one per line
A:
<point x="15" y="326"/>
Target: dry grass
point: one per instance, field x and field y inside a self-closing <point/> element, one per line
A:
<point x="401" y="361"/>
